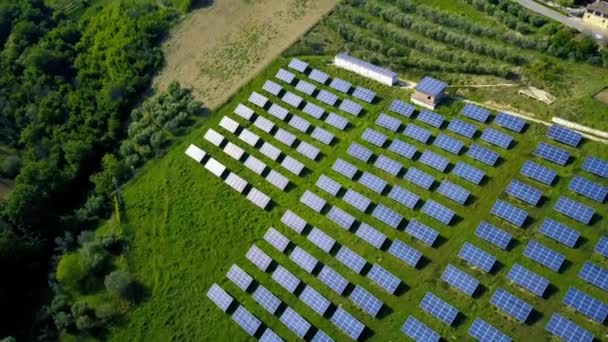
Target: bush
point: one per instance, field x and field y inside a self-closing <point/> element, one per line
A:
<point x="119" y="283"/>
<point x="71" y="271"/>
<point x="10" y="166"/>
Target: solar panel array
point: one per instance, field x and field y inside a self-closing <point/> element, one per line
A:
<point x="359" y="151"/>
<point x="483" y="331"/>
<point x="366" y="301"/>
<point x="460" y="280"/>
<point x="388" y="122"/>
<point x="509" y="213"/>
<point x="538" y="172"/>
<point x="559" y="232"/>
<point x="266" y="299"/>
<point x="374" y="137"/>
<point x="364" y="94"/>
<point x="528" y="280"/>
<point x="586" y="305"/>
<point x="419" y="331"/>
<point x="422" y="232"/>
<point x="357" y="200"/>
<point x="544" y="255"/>
<point x="417" y="133"/>
<point x="388" y="165"/>
<point x="567" y="330"/>
<point x="403" y="196"/>
<point x="246" y="320"/>
<point x="463" y="128"/>
<point x="420" y="178"/>
<point x="431" y="86"/>
<point x="313" y="110"/>
<point x="285" y="75"/>
<point x="351" y="259"/>
<point x="387" y="215"/>
<point x="344" y="168"/>
<point x="574" y="209"/>
<point x="351" y="107"/>
<point x="496" y="137"/>
<point x="372" y="182"/>
<point x="434" y="160"/>
<point x="405" y="253"/>
<point x="239" y="277"/>
<point x="384" y="278"/>
<point x="327" y="97"/>
<point x="219" y="297"/>
<point x="510" y="122"/>
<point x="475" y="112"/>
<point x="589" y="189"/>
<point x="483" y="155"/>
<point x="596" y="166"/>
<point x="524" y="192"/>
<point x="272" y="87"/>
<point x="303" y="259"/>
<point x="370" y="235"/>
<point x="511" y="305"/>
<point x="449" y="144"/>
<point x="564" y="135"/>
<point x="347" y="323"/>
<point x="340" y="85"/>
<point x="552" y="153"/>
<point x="333" y="279"/>
<point x="328" y="185"/>
<point x="313" y="201"/>
<point x="314" y="300"/>
<point x="477" y="257"/>
<point x="431" y="118"/>
<point x="286" y="279"/>
<point x="438" y="211"/>
<point x="305" y="87"/>
<point x="602" y="246"/>
<point x="321" y="240"/>
<point x="454" y="192"/>
<point x="402" y="108"/>
<point x="493" y="235"/>
<point x="336" y="121"/>
<point x="439" y="308"/>
<point x="468" y="172"/>
<point x="318" y="76"/>
<point x="594" y="275"/>
<point x="402" y="148"/>
<point x="294" y="322"/>
<point x="298" y="65"/>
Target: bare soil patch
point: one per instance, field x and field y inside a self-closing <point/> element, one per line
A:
<point x="602" y="96"/>
<point x="215" y="50"/>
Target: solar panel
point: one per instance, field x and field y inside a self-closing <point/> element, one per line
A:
<point x="278" y="111"/>
<point x="402" y="108"/>
<point x="299" y="123"/>
<point x="484" y="332"/>
<point x="255" y="165"/>
<point x="313" y="201"/>
<point x="384" y="278"/>
<point x="387" y="215"/>
<point x="493" y="235"/>
<point x="298" y="65"/>
<point x="293" y="221"/>
<point x="350" y="259"/>
<point x="364" y="94"/>
<point x="438" y="211"/>
<point x="276" y="239"/>
<point x="374" y="137"/>
<point x="403" y="197"/>
<point x="567" y="330"/>
<point x="229" y="124"/>
<point x="303" y="259"/>
<point x="328" y="185"/>
<point x="292" y="99"/>
<point x="270" y="151"/>
<point x="285" y="75"/>
<point x="421" y="232"/>
<point x="344" y="168"/>
<point x="340" y="217"/>
<point x="589" y="189"/>
<point x="602" y="246"/>
<point x="314" y="300"/>
<point x="350" y="107"/>
<point x="336" y="121"/>
<point x="453" y="191"/>
<point x="477" y="257"/>
<point x="405" y="253"/>
<point x="258" y="257"/>
<point x="294" y="322"/>
<point x="420" y="178"/>
<point x="419" y="331"/>
<point x="195" y="153"/>
<point x="544" y="255"/>
<point x="594" y="275"/>
<point x="434" y="160"/>
<point x="219" y="297"/>
<point x="327" y="97"/>
<point x="483" y="154"/>
<point x="246" y="320"/>
<point x="308" y="151"/>
<point x="496" y="137"/>
<point x="417" y="133"/>
<point x="292" y="165"/>
<point x="258" y="99"/>
<point x="320" y="336"/>
<point x="236" y="182"/>
<point x="559" y="232"/>
<point x="243" y="111"/>
<point x="438" y="308"/>
<point x="215" y="167"/>
<point x="356" y="200"/>
<point x="333" y="279"/>
<point x="249" y="137"/>
<point x="463" y="128"/>
<point x="431" y="118"/>
<point x="322" y="135"/>
<point x="388" y="165"/>
<point x="286" y="279"/>
<point x="388" y="122"/>
<point x="596" y="166"/>
<point x="318" y="76"/>
<point x="574" y="209"/>
<point x="239" y="277"/>
<point x="449" y="144"/>
<point x="266" y="299"/>
<point x="431" y="86"/>
<point x="358" y="151"/>
<point x="370" y="235"/>
<point x="524" y="192"/>
<point x="564" y="135"/>
<point x="372" y="182"/>
<point x="586" y="305"/>
<point x="214" y="137"/>
<point x="402" y="148"/>
<point x="510" y="122"/>
<point x="476" y="113"/>
<point x="538" y="172"/>
<point x="234" y="151"/>
<point x="258" y="198"/>
<point x="347" y="323"/>
<point x="270" y="336"/>
<point x="365" y="300"/>
<point x="313" y="110"/>
<point x="511" y="305"/>
<point x="468" y="172"/>
<point x="305" y="87"/>
<point x="552" y="153"/>
<point x="321" y="240"/>
<point x="460" y="280"/>
<point x="509" y="213"/>
<point x="340" y="85"/>
<point x="272" y="87"/>
<point x="528" y="280"/>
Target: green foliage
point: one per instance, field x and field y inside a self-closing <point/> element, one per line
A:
<point x="9" y="166"/>
<point x="71" y="270"/>
<point x="119" y="283"/>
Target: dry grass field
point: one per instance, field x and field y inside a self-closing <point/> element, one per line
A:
<point x="219" y="48"/>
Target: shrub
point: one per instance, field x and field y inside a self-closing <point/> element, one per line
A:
<point x="71" y="270"/>
<point x="10" y="166"/>
<point x="119" y="283"/>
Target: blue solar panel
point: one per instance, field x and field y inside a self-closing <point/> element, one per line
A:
<point x="266" y="299"/>
<point x="365" y="300"/>
<point x="402" y="108"/>
<point x="586" y="305"/>
<point x="402" y="148"/>
<point x="322" y="135"/>
<point x="434" y="160"/>
<point x="219" y="297"/>
<point x="294" y="322"/>
<point x="463" y="128"/>
<point x="333" y="279"/>
<point x="601" y="247"/>
<point x="299" y="123"/>
<point x="510" y="122"/>
<point x="559" y="232"/>
<point x="340" y="85"/>
<point x="431" y="118"/>
<point x="431" y="86"/>
<point x="246" y="320"/>
<point x="358" y="151"/>
<point x="552" y="153"/>
<point x="564" y="135"/>
<point x="387" y="215"/>
<point x="438" y="308"/>
<point x="511" y="305"/>
<point x="509" y="213"/>
<point x="272" y="87"/>
<point x="574" y="209"/>
<point x="314" y="300"/>
<point x="422" y="232"/>
<point x="347" y="323"/>
<point x="350" y="259"/>
<point x="305" y="87"/>
<point x="270" y="336"/>
<point x="419" y="178"/>
<point x="285" y="75"/>
<point x="340" y="217"/>
<point x="484" y="332"/>
<point x="417" y="133"/>
<point x="313" y="201"/>
<point x="404" y="197"/>
<point x="258" y="99"/>
<point x="567" y="330"/>
<point x="374" y="137"/>
<point x="370" y="235"/>
<point x="438" y="211"/>
<point x="388" y="165"/>
<point x="496" y="137"/>
<point x="448" y="144"/>
<point x="303" y="259"/>
<point x="351" y="107"/>
<point x="318" y="76"/>
<point x="544" y="255"/>
<point x="596" y="166"/>
<point x="298" y="65"/>
<point x="524" y="192"/>
<point x="538" y="172"/>
<point x="493" y="235"/>
<point x="476" y="113"/>
<point x="336" y="121"/>
<point x="405" y="253"/>
<point x="313" y="110"/>
<point x="460" y="280"/>
<point x="468" y="172"/>
<point x="321" y="240"/>
<point x="327" y="97"/>
<point x="357" y="200"/>
<point x="454" y="192"/>
<point x="372" y="182"/>
<point x="344" y="168"/>
<point x="418" y="331"/>
<point x="364" y="94"/>
<point x="594" y="275"/>
<point x="388" y="122"/>
<point x="528" y="280"/>
<point x="483" y="154"/>
<point x="477" y="257"/>
<point x="286" y="279"/>
<point x="589" y="189"/>
<point x="384" y="278"/>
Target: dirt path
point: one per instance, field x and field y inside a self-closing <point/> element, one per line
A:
<point x="216" y="50"/>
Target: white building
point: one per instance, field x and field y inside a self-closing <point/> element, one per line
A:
<point x="366" y="69"/>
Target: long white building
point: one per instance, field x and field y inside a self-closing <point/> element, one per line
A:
<point x="366" y="69"/>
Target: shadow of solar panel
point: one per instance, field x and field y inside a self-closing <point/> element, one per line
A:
<point x="286" y="279"/>
<point x="272" y="87"/>
<point x="318" y="76"/>
<point x="350" y="259"/>
<point x="420" y="178"/>
<point x="328" y="185"/>
<point x="285" y="76"/>
<point x="493" y="235"/>
<point x="586" y="305"/>
<point x="468" y="172"/>
<point x="524" y="192"/>
<point x="438" y="211"/>
<point x="510" y="122"/>
<point x="538" y="172"/>
<point x="347" y="323"/>
<point x="431" y="118"/>
<point x="401" y="108"/>
<point x="258" y="198"/>
<point x="305" y="87"/>
<point x="246" y="320"/>
<point x="294" y="322"/>
<point x="270" y="336"/>
<point x="370" y="235"/>
<point x="596" y="166"/>
<point x="434" y="160"/>
<point x="544" y="255"/>
<point x="336" y="121"/>
<point x="258" y="258"/>
<point x="438" y="308"/>
<point x="308" y="151"/>
<point x="601" y="247"/>
<point x="460" y="280"/>
<point x="372" y="182"/>
<point x="298" y="65"/>
<point x="276" y="239"/>
<point x="255" y="165"/>
<point x="314" y="300"/>
<point x="430" y="86"/>
<point x="358" y="151"/>
<point x="356" y="200"/>
<point x="321" y="240"/>
<point x="511" y="305"/>
<point x="559" y="232"/>
<point x="374" y="137"/>
<point x="350" y="107"/>
<point x="239" y="277"/>
<point x="594" y="275"/>
<point x="340" y="85"/>
<point x="388" y="165"/>
<point x="384" y="278"/>
<point x="219" y="297"/>
<point x="476" y="113"/>
<point x="496" y="137"/>
<point x="365" y="300"/>
<point x="417" y="133"/>
<point x="293" y="221"/>
<point x="589" y="189"/>
<point x="258" y="99"/>
<point x="243" y="111"/>
<point x="313" y="201"/>
<point x="313" y="110"/>
<point x="574" y="209"/>
<point x="483" y="155"/>
<point x="528" y="280"/>
<point x="564" y="135"/>
<point x="344" y="168"/>
<point x="292" y="165"/>
<point x="388" y="122"/>
<point x="448" y="144"/>
<point x="229" y="124"/>
<point x="421" y="232"/>
<point x="567" y="330"/>
<point x="333" y="279"/>
<point x="340" y="217"/>
<point x="463" y="128"/>
<point x="270" y="151"/>
<point x="477" y="257"/>
<point x="266" y="299"/>
<point x="552" y="153"/>
<point x="402" y="148"/>
<point x="453" y="191"/>
<point x="327" y="97"/>
<point x="364" y="94"/>
<point x="418" y="331"/>
<point x="236" y="182"/>
<point x="387" y="215"/>
<point x="404" y="197"/>
<point x="483" y="331"/>
<point x="322" y="135"/>
<point x="509" y="213"/>
<point x="405" y="253"/>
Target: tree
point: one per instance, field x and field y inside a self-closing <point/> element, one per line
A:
<point x="119" y="283"/>
<point x="71" y="270"/>
<point x="9" y="167"/>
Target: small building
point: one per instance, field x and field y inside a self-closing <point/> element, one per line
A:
<point x="596" y="14"/>
<point x="366" y="69"/>
<point x="429" y="92"/>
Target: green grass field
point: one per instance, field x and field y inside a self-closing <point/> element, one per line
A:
<point x="187" y="228"/>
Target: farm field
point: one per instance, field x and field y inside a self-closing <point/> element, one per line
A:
<point x="187" y="228"/>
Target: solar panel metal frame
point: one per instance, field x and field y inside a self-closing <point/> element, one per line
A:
<point x="239" y="277"/>
<point x="420" y="178"/>
<point x="298" y="65"/>
<point x="341" y="217"/>
<point x="475" y="112"/>
<point x="528" y="280"/>
<point x="574" y="210"/>
<point x="295" y="322"/>
<point x="405" y="253"/>
<point x="559" y="232"/>
<point x="468" y="172"/>
<point x="496" y="138"/>
<point x="448" y="144"/>
<point x="564" y="135"/>
<point x="388" y="122"/>
<point x="567" y="330"/>
<point x="493" y="235"/>
<point x="387" y="215"/>
<point x="438" y="211"/>
<point x="438" y="308"/>
<point x="344" y="168"/>
<point x="347" y="323"/>
<point x="266" y="299"/>
<point x="247" y="321"/>
<point x="511" y="305"/>
<point x="365" y="300"/>
<point x="454" y="192"/>
<point x="601" y="247"/>
<point x="388" y="165"/>
<point x="483" y="331"/>
<point x="306" y="87"/>
<point x="285" y="76"/>
<point x="551" y="153"/>
<point x="333" y="279"/>
<point x="272" y="87"/>
<point x="401" y="108"/>
<point x="359" y="151"/>
<point x="460" y="280"/>
<point x="402" y="148"/>
<point x="524" y="192"/>
<point x="482" y="154"/>
<point x="219" y="297"/>
<point x="509" y="213"/>
<point x="419" y="331"/>
<point x="403" y="196"/>
<point x="364" y="94"/>
<point x="357" y="200"/>
<point x="510" y="122"/>
<point x="313" y="201"/>
<point x="293" y="221"/>
<point x="336" y="121"/>
<point x="258" y="258"/>
<point x="383" y="278"/>
<point x="351" y="259"/>
<point x="350" y="107"/>
<point x="434" y="160"/>
<point x="596" y="166"/>
<point x="322" y="135"/>
<point x="589" y="189"/>
<point x="544" y="255"/>
<point x="462" y="128"/>
<point x="313" y="110"/>
<point x="586" y="305"/>
<point x="430" y="118"/>
<point x="276" y="239"/>
<point x="340" y="85"/>
<point x="373" y="182"/>
<point x="477" y="257"/>
<point x="538" y="172"/>
<point x="314" y="300"/>
<point x="422" y="232"/>
<point x="594" y="275"/>
<point x="374" y="137"/>
<point x="328" y="185"/>
<point x="417" y="133"/>
<point x="321" y="240"/>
